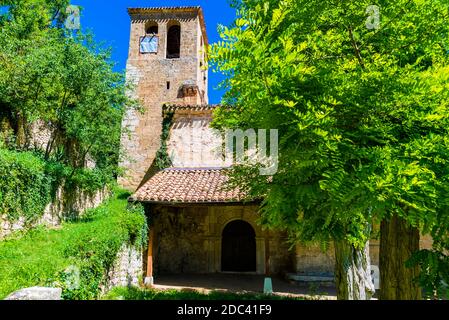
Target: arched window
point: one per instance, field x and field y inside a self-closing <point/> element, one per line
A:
<point x="149" y="42"/>
<point x="174" y="42"/>
<point x="152" y="28"/>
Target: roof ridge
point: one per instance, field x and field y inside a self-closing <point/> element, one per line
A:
<point x="195" y="168"/>
<point x="167" y="7"/>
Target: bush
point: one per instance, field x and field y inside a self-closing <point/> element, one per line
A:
<point x="94" y="249"/>
<point x="24" y="186"/>
<point x="28" y="183"/>
<point x="82" y="179"/>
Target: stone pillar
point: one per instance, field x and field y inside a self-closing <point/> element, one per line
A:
<point x="217" y="254"/>
<point x="260" y="255"/>
<point x="267" y="256"/>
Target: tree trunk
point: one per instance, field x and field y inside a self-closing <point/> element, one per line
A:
<point x="353" y="272"/>
<point x="20" y="131"/>
<point x="398" y="241"/>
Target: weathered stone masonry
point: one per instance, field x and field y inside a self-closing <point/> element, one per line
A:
<point x="159" y="81"/>
<point x="188" y="239"/>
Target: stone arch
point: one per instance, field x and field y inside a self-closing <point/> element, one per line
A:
<point x="251" y="223"/>
<point x="152" y="28"/>
<point x="173" y="40"/>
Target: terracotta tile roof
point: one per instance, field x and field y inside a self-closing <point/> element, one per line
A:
<point x="183" y="185"/>
<point x="206" y="107"/>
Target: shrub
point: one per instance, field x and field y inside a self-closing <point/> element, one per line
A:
<point x="24" y="186"/>
<point x="28" y="183"/>
<point x="94" y="249"/>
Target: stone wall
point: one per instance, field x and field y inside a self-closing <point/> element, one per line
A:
<point x="65" y="205"/>
<point x="158" y="80"/>
<point x="313" y="259"/>
<point x="127" y="269"/>
<point x="193" y="143"/>
<point x="188" y="239"/>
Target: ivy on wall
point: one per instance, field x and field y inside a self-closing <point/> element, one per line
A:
<point x="28" y="183"/>
<point x="163" y="159"/>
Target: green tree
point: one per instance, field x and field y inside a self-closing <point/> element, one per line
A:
<point x="361" y="110"/>
<point x="61" y="80"/>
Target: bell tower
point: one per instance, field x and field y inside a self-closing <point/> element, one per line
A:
<point x="166" y="65"/>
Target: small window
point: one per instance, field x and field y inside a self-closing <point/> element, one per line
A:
<point x="174" y="42"/>
<point x="168" y="85"/>
<point x="153" y="30"/>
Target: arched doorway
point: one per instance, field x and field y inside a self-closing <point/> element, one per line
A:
<point x="238" y="247"/>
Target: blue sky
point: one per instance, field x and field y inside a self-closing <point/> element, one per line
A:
<point x="110" y="23"/>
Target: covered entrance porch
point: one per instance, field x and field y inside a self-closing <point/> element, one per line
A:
<point x="208" y="239"/>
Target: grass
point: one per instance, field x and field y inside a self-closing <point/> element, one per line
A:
<point x="134" y="293"/>
<point x="39" y="256"/>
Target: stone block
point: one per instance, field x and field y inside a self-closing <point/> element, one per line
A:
<point x="36" y="293"/>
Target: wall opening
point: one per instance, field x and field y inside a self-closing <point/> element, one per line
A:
<point x="238" y="247"/>
<point x="152" y="28"/>
<point x="149" y="43"/>
<point x="174" y="42"/>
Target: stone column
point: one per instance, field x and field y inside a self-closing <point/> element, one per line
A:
<point x="267" y="256"/>
<point x="260" y="255"/>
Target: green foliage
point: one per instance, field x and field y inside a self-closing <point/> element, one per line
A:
<point x="63" y="81"/>
<point x="24" y="186"/>
<point x="43" y="257"/>
<point x="60" y="81"/>
<point x="434" y="276"/>
<point x="88" y="180"/>
<point x="362" y="113"/>
<point x="163" y="160"/>
<point x="28" y="183"/>
<point x="77" y="179"/>
<point x="139" y="294"/>
<point x="134" y="221"/>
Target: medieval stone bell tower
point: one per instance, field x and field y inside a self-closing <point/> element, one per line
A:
<point x="166" y="65"/>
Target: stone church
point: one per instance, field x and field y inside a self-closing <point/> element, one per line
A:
<point x="196" y="225"/>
